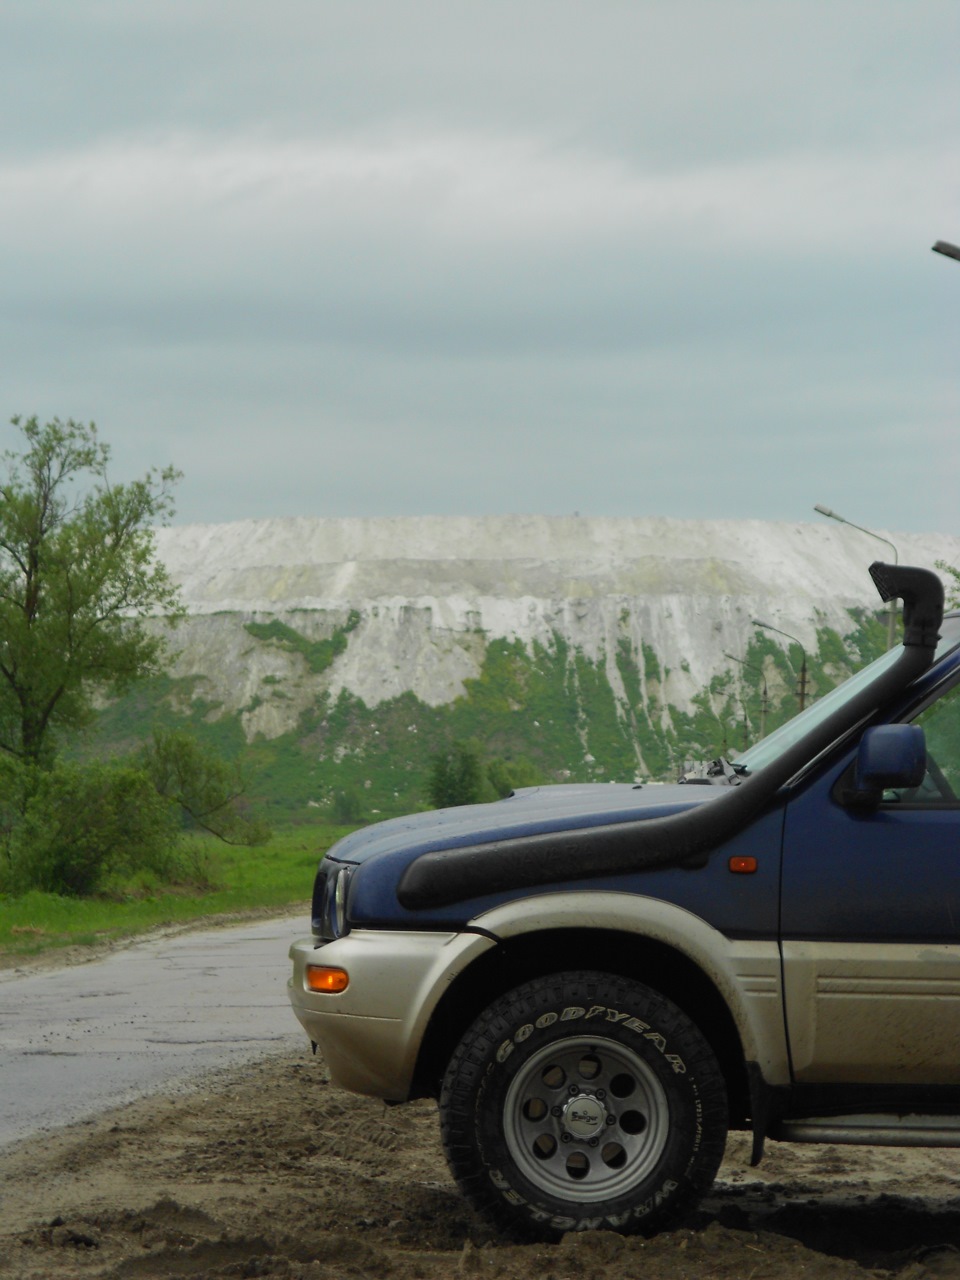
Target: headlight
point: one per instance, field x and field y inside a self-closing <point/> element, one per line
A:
<point x="330" y="893"/>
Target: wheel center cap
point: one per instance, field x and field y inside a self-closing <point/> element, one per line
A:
<point x="584" y="1116"/>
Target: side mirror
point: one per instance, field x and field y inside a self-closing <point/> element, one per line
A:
<point x="889" y="755"/>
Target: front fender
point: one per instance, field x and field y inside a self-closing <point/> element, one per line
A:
<point x="745" y="972"/>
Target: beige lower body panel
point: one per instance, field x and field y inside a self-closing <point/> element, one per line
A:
<point x="873" y="1013"/>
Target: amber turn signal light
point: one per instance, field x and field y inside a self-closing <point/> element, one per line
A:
<point x="331" y="981"/>
<point x="742" y="866"/>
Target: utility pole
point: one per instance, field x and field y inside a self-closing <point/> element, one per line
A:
<point x="764" y="701"/>
<point x="802" y="683"/>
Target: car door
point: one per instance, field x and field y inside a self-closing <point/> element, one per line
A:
<point x="870" y="923"/>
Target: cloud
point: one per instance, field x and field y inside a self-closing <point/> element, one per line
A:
<point x="379" y="258"/>
<point x="470" y="190"/>
<point x="450" y="242"/>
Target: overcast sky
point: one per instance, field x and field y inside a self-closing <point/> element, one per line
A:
<point x="373" y="257"/>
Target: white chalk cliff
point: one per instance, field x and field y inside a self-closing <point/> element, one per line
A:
<point x="431" y="592"/>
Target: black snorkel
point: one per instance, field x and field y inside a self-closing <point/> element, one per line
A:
<point x="682" y="839"/>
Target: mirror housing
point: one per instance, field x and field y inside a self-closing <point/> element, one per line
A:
<point x="889" y="755"/>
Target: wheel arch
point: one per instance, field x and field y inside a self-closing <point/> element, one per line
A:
<point x="525" y="956"/>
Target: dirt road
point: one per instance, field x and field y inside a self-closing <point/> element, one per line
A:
<point x="268" y="1170"/>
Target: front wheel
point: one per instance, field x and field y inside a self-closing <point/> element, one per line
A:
<point x="583" y="1100"/>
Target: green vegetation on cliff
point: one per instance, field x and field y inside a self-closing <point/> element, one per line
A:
<point x="543" y="711"/>
<point x="319" y="654"/>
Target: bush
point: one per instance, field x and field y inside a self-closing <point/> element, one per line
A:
<point x="347" y="806"/>
<point x="82" y="823"/>
<point x="80" y="829"/>
<point x="456" y="776"/>
<point x="507" y="776"/>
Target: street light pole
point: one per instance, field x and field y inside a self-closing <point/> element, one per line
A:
<point x="892" y="614"/>
<point x="802" y="690"/>
<point x="947" y="249"/>
<point x="748" y="666"/>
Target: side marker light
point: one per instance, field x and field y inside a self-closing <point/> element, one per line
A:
<point x="742" y="866"/>
<point x="329" y="981"/>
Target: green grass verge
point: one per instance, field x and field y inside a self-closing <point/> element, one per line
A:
<point x="275" y="875"/>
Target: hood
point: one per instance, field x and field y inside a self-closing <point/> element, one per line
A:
<point x="377" y="859"/>
<point x="530" y="812"/>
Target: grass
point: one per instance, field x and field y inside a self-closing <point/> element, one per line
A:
<point x="276" y="875"/>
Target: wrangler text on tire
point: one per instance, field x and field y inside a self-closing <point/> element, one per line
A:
<point x="583" y="1100"/>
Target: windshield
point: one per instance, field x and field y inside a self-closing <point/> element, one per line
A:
<point x="763" y="752"/>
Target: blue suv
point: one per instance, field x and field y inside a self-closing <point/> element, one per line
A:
<point x="597" y="982"/>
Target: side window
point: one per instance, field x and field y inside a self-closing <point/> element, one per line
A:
<point x="940" y="722"/>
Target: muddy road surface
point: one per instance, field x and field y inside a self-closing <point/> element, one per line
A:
<point x="77" y="1038"/>
<point x="269" y="1170"/>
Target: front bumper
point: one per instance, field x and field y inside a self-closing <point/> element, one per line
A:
<point x="370" y="1034"/>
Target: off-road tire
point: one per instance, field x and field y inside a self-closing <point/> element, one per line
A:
<point x="583" y="1100"/>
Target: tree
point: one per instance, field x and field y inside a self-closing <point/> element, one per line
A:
<point x="456" y="776"/>
<point x="507" y="776"/>
<point x="209" y="790"/>
<point x="78" y="576"/>
<point x="952" y="585"/>
<point x="348" y="806"/>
